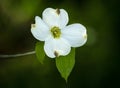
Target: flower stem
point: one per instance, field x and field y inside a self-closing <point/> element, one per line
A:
<point x="17" y="55"/>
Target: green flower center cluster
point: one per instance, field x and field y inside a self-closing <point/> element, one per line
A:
<point x="55" y="31"/>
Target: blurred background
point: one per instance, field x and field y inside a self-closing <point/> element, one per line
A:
<point x="97" y="62"/>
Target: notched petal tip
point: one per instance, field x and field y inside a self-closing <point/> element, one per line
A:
<point x="58" y="11"/>
<point x="33" y="26"/>
<point x="56" y="54"/>
<point x="85" y="36"/>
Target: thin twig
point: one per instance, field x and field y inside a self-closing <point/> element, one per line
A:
<point x="17" y="55"/>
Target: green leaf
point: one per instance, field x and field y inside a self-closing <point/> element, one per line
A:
<point x="65" y="64"/>
<point x="40" y="51"/>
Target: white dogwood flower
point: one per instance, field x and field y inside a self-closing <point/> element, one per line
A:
<point x="58" y="37"/>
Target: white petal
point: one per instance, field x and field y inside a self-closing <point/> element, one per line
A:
<point x="39" y="30"/>
<point x="75" y="34"/>
<point x="55" y="17"/>
<point x="56" y="47"/>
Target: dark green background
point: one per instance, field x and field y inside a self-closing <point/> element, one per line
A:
<point x="97" y="62"/>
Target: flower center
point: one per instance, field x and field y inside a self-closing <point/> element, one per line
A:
<point x="55" y="31"/>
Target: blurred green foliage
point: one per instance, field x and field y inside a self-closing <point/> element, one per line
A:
<point x="97" y="62"/>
